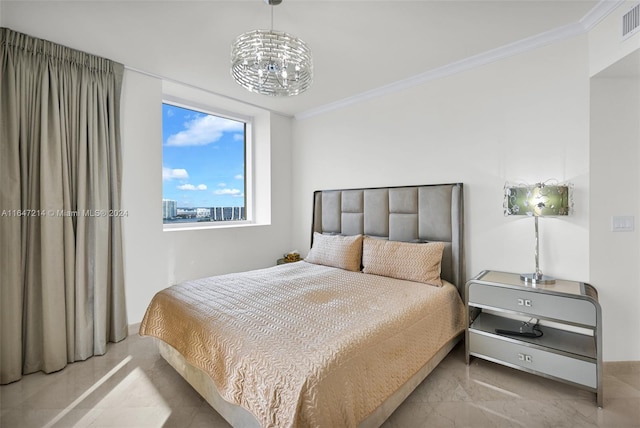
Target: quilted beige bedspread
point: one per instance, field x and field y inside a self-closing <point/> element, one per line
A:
<point x="302" y="345"/>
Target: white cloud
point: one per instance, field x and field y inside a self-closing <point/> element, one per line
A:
<point x="222" y="184"/>
<point x="238" y="137"/>
<point x="239" y="177"/>
<point x="192" y="187"/>
<point x="186" y="187"/>
<point x="178" y="173"/>
<point x="204" y="130"/>
<point x="232" y="192"/>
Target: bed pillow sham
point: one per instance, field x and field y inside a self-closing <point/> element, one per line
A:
<point x="403" y="260"/>
<point x="344" y="252"/>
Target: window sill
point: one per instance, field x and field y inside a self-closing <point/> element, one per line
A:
<point x="200" y="226"/>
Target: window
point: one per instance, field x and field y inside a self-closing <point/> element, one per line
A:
<point x="204" y="167"/>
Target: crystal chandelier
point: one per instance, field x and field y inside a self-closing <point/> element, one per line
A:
<point x="271" y="62"/>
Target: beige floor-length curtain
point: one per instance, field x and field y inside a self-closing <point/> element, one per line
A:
<point x="61" y="264"/>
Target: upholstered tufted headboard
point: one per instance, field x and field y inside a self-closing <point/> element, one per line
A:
<point x="408" y="213"/>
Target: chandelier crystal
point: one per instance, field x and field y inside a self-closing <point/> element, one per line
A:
<point x="271" y="62"/>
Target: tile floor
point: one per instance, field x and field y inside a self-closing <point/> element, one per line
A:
<point x="132" y="386"/>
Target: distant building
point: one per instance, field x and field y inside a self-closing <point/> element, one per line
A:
<point x="169" y="209"/>
<point x="186" y="212"/>
<point x="203" y="212"/>
<point x="171" y="213"/>
<point x="228" y="213"/>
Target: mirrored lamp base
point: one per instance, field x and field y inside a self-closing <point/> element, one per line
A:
<point x="534" y="279"/>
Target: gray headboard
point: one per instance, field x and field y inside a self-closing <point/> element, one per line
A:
<point x="431" y="212"/>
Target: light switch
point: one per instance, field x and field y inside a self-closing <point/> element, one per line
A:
<point x="622" y="223"/>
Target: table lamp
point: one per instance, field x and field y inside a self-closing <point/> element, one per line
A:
<point x="537" y="200"/>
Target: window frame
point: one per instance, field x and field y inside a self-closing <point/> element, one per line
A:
<point x="249" y="201"/>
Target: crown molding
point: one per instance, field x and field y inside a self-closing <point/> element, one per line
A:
<point x="586" y="23"/>
<point x="598" y="13"/>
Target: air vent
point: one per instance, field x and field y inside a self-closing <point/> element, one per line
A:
<point x="631" y="22"/>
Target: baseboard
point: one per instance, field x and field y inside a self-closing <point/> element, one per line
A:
<point x="620" y="367"/>
<point x="134" y="328"/>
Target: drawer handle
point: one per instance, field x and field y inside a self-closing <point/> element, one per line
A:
<point x="525" y="302"/>
<point x="524" y="357"/>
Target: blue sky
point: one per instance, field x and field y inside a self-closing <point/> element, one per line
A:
<point x="202" y="158"/>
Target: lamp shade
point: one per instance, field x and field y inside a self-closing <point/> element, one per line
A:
<point x="537" y="200"/>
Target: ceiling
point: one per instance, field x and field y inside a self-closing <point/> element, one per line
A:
<point x="358" y="46"/>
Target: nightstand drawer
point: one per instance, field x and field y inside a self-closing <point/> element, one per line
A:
<point x="578" y="311"/>
<point x="533" y="359"/>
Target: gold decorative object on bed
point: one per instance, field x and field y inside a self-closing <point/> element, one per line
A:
<point x="320" y="342"/>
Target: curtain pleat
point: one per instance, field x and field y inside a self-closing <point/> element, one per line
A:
<point x="62" y="280"/>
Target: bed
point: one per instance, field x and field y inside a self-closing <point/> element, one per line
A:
<point x="338" y="339"/>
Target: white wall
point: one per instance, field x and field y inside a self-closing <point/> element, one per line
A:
<point x="521" y="119"/>
<point x="155" y="259"/>
<point x="615" y="184"/>
<point x="615" y="181"/>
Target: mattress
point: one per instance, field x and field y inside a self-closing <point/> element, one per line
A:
<point x="306" y="345"/>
